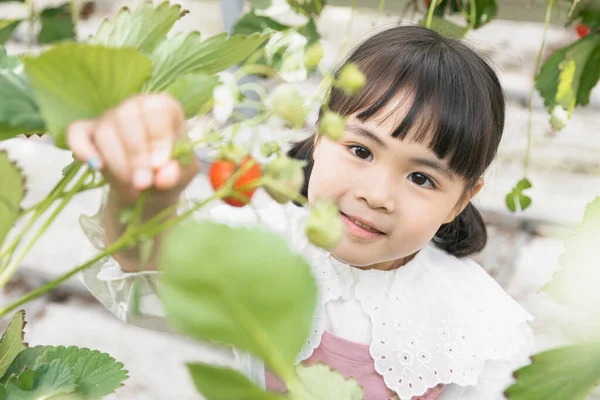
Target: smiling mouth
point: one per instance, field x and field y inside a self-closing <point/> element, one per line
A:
<point x="360" y="228"/>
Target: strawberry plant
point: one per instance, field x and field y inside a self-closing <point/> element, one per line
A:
<point x="44" y="372"/>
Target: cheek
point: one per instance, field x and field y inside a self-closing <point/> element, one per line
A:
<point x="418" y="222"/>
<point x="326" y="176"/>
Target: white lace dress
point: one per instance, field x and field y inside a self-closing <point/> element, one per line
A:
<point x="436" y="320"/>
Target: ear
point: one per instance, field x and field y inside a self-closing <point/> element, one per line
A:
<point x="464" y="201"/>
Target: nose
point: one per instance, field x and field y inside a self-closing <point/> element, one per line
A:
<point x="376" y="191"/>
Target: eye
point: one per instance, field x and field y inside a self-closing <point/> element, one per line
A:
<point x="422" y="180"/>
<point x="361" y="152"/>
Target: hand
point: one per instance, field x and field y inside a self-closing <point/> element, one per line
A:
<point x="132" y="146"/>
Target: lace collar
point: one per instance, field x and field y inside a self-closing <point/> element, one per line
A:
<point x="435" y="320"/>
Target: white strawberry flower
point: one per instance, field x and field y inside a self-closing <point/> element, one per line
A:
<point x="290" y="44"/>
<point x="225" y="96"/>
<point x="280" y="11"/>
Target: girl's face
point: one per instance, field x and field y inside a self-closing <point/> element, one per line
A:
<point x="398" y="191"/>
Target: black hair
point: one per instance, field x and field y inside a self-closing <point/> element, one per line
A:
<point x="458" y="109"/>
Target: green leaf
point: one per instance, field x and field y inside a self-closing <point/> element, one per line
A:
<point x="74" y="81"/>
<point x="565" y="95"/>
<point x="445" y="27"/>
<point x="251" y="23"/>
<point x="194" y="91"/>
<point x="220" y="383"/>
<point x="329" y="384"/>
<point x="45" y="381"/>
<point x="243" y="287"/>
<point x="8" y="62"/>
<point x="524" y="201"/>
<point x="485" y="11"/>
<point x="57" y="25"/>
<point x="586" y="12"/>
<point x="7" y="27"/>
<point x="310" y="8"/>
<point x="144" y="28"/>
<point x="26" y="359"/>
<point x="516" y="196"/>
<point x="575" y="283"/>
<point x="570" y="74"/>
<point x="11" y="343"/>
<point x="19" y="111"/>
<point x="523" y="184"/>
<point x="261" y="4"/>
<point x="510" y="202"/>
<point x="185" y="54"/>
<point x="566" y="373"/>
<point x="95" y="374"/>
<point x="310" y="32"/>
<point x="12" y="191"/>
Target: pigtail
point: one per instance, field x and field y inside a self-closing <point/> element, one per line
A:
<point x="303" y="150"/>
<point x="465" y="235"/>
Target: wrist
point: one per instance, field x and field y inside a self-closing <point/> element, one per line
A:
<point x="156" y="199"/>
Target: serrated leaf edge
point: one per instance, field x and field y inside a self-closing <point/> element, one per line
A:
<point x="23" y="181"/>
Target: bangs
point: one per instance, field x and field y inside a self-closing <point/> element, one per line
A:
<point x="456" y="101"/>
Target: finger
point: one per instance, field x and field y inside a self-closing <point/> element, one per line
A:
<point x="164" y="119"/>
<point x="133" y="133"/>
<point x="112" y="152"/>
<point x="168" y="176"/>
<point x="79" y="139"/>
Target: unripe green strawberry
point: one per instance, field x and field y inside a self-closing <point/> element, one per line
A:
<point x="324" y="227"/>
<point x="287" y="103"/>
<point x="559" y="117"/>
<point x="313" y="55"/>
<point x="350" y="79"/>
<point x="270" y="148"/>
<point x="332" y="125"/>
<point x="288" y="173"/>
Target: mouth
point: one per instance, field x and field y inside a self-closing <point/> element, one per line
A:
<point x="360" y="228"/>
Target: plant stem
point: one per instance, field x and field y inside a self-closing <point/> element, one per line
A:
<point x="538" y="61"/>
<point x="84" y="188"/>
<point x="260" y="91"/>
<point x="472" y="14"/>
<point x="291" y="194"/>
<point x="379" y="11"/>
<point x="254" y="69"/>
<point x="148" y="229"/>
<point x="115" y="247"/>
<point x="6" y="274"/>
<point x="75" y="17"/>
<point x="430" y="12"/>
<point x="56" y="191"/>
<point x="30" y="23"/>
<point x="348" y="28"/>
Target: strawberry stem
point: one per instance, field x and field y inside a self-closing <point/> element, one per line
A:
<point x="538" y="61"/>
<point x="11" y="268"/>
<point x="147" y="230"/>
<point x="40" y="208"/>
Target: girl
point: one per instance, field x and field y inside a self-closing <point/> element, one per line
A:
<point x="402" y="309"/>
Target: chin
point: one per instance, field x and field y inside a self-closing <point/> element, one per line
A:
<point x="349" y="256"/>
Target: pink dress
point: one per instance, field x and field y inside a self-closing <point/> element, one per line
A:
<point x="351" y="359"/>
